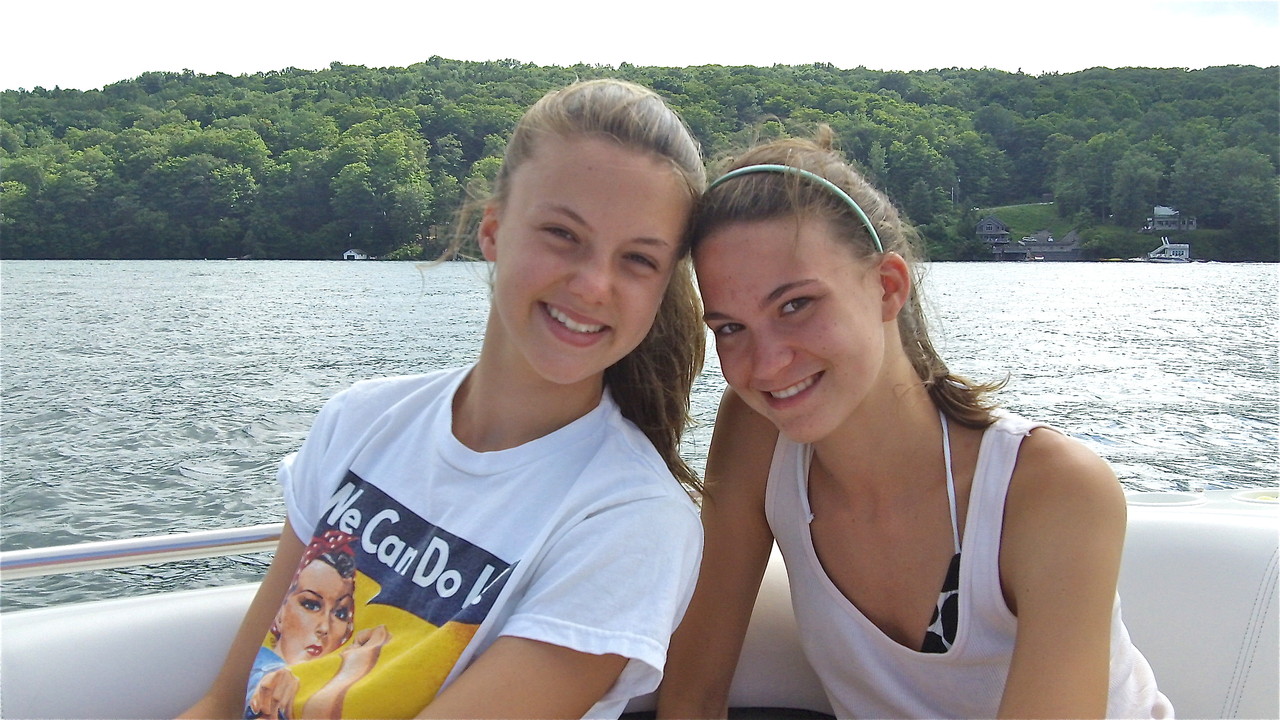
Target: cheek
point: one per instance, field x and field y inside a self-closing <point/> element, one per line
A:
<point x="733" y="363"/>
<point x="644" y="303"/>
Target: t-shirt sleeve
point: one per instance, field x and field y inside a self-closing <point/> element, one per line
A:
<point x="617" y="582"/>
<point x="300" y="473"/>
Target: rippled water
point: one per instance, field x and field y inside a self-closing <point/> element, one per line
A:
<point x="146" y="397"/>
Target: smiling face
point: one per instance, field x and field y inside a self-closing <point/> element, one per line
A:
<point x="317" y="614"/>
<point x="799" y="322"/>
<point x="584" y="244"/>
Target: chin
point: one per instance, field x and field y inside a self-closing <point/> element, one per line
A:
<point x="801" y="430"/>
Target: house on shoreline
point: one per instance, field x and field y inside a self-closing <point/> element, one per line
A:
<point x="1040" y="246"/>
<point x="1166" y="219"/>
<point x="992" y="231"/>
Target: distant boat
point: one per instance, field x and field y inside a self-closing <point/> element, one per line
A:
<point x="1170" y="252"/>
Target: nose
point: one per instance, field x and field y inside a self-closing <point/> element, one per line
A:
<point x="593" y="278"/>
<point x="771" y="355"/>
<point x="768" y="357"/>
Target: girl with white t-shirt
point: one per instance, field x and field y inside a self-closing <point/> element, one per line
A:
<point x="524" y="545"/>
<point x="946" y="559"/>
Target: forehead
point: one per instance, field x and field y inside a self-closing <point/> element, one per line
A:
<point x="596" y="154"/>
<point x="605" y="184"/>
<point x="773" y="244"/>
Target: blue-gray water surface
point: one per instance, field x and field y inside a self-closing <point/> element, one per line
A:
<point x="155" y="397"/>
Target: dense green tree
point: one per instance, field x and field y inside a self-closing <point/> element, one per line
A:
<point x="1135" y="188"/>
<point x="301" y="164"/>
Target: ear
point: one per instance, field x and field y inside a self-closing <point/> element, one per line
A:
<point x="487" y="235"/>
<point x="895" y="282"/>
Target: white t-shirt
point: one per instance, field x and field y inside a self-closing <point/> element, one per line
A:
<point x="581" y="538"/>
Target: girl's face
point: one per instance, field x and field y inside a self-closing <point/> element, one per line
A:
<point x="583" y="247"/>
<point x="317" y="613"/>
<point x="798" y="321"/>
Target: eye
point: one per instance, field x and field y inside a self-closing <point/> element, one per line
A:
<point x="560" y="233"/>
<point x="795" y="305"/>
<point x="726" y="329"/>
<point x="309" y="605"/>
<point x="643" y="261"/>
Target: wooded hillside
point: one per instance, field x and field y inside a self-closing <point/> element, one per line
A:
<point x="306" y="164"/>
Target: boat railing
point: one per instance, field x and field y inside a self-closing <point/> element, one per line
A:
<point x="105" y="554"/>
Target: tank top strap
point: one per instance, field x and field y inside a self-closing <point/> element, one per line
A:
<point x="951" y="482"/>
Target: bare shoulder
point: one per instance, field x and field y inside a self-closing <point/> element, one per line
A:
<point x="1064" y="526"/>
<point x="741" y="451"/>
<point x="1056" y="472"/>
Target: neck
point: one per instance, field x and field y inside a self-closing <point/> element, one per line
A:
<point x="886" y="446"/>
<point x="499" y="407"/>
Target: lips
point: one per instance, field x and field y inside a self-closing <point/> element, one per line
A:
<point x="793" y="390"/>
<point x="573" y="325"/>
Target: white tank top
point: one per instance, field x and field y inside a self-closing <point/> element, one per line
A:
<point x="867" y="674"/>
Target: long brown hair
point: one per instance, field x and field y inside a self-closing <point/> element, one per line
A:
<point x="651" y="384"/>
<point x="766" y="196"/>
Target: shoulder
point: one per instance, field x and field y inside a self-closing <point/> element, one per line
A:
<point x="1062" y="493"/>
<point x="1052" y="465"/>
<point x="1064" y="525"/>
<point x="741" y="452"/>
<point x="624" y="466"/>
<point x="366" y="399"/>
<point x="355" y="409"/>
<point x="392" y="389"/>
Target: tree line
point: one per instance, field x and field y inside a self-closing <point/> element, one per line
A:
<point x="307" y="164"/>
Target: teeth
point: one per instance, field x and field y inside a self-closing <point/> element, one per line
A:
<point x="794" y="389"/>
<point x="571" y="324"/>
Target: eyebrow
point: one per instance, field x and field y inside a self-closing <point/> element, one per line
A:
<point x="573" y="215"/>
<point x="768" y="300"/>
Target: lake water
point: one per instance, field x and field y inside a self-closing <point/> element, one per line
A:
<point x="150" y="397"/>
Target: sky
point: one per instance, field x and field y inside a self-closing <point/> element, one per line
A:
<point x="85" y="44"/>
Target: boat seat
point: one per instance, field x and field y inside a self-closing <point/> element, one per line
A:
<point x="1199" y="593"/>
<point x="1198" y="583"/>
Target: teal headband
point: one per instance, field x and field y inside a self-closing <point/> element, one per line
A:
<point x="788" y="170"/>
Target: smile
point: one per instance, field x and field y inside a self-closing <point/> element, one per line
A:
<point x="796" y="389"/>
<point x="571" y="323"/>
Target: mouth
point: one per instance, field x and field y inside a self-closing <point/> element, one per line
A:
<point x="314" y="650"/>
<point x="571" y="324"/>
<point x="792" y="391"/>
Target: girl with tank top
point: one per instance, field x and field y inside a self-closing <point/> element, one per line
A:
<point x="946" y="558"/>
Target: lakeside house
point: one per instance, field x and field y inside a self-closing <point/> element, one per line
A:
<point x="992" y="230"/>
<point x="1040" y="246"/>
<point x="355" y="254"/>
<point x="1166" y="219"/>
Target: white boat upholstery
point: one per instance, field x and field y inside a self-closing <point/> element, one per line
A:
<point x="1198" y="586"/>
<point x="1199" y="583"/>
<point x="141" y="657"/>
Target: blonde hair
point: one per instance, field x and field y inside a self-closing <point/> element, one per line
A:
<point x="766" y="196"/>
<point x="651" y="384"/>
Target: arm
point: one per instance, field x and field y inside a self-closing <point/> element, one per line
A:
<point x="1064" y="528"/>
<point x="592" y="618"/>
<point x="705" y="649"/>
<point x="521" y="678"/>
<point x="225" y="698"/>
